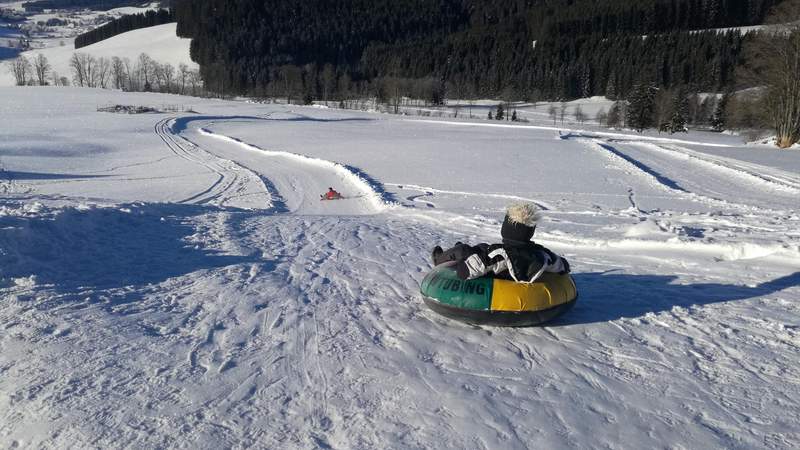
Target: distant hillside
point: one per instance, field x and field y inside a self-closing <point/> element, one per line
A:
<point x="159" y="42"/>
<point x="99" y="5"/>
<point x="128" y="22"/>
<point x="513" y="48"/>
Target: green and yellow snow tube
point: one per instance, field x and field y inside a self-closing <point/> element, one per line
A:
<point x="498" y="302"/>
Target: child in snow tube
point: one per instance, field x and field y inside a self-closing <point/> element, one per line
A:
<point x="515" y="283"/>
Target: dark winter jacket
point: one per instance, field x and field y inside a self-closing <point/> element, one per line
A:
<point x="522" y="261"/>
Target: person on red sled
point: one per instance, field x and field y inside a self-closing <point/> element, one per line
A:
<point x="332" y="194"/>
<point x="518" y="257"/>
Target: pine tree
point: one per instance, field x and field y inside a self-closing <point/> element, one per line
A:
<point x="641" y="106"/>
<point x="614" y="115"/>
<point x="611" y="88"/>
<point x="490" y="115"/>
<point x="514" y="117"/>
<point x="500" y="112"/>
<point x="718" y="120"/>
<point x="680" y="112"/>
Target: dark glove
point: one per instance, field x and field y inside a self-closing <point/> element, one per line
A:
<point x="553" y="256"/>
<point x="566" y="266"/>
<point x="436" y="255"/>
<point x="462" y="270"/>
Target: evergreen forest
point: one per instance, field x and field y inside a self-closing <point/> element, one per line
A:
<point x="510" y="49"/>
<point x="124" y="24"/>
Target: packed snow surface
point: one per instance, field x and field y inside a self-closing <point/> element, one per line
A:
<point x="173" y="280"/>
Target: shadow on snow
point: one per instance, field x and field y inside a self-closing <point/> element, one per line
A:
<point x="30" y="176"/>
<point x="105" y="248"/>
<point x="608" y="296"/>
<point x="181" y="123"/>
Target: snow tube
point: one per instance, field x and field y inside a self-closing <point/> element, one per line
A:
<point x="495" y="301"/>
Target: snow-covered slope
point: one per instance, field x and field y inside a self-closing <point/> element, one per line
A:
<point x="174" y="281"/>
<point x="159" y="42"/>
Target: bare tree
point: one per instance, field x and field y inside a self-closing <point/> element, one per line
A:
<point x="195" y="80"/>
<point x="90" y="67"/>
<point x="552" y="111"/>
<point x="291" y="80"/>
<point x="344" y="85"/>
<point x="158" y="76"/>
<point x="459" y="90"/>
<point x="42" y="67"/>
<point x="81" y="69"/>
<point x="168" y="76"/>
<point x="88" y="71"/>
<point x="601" y="117"/>
<point x="102" y="72"/>
<point x="328" y="81"/>
<point x="183" y="77"/>
<point x="786" y="11"/>
<point x="145" y="68"/>
<point x="783" y="88"/>
<point x="579" y="114"/>
<point x="773" y="61"/>
<point x="56" y="78"/>
<point x="562" y="112"/>
<point x="78" y="72"/>
<point x="394" y="89"/>
<point x="22" y="69"/>
<point x="117" y="73"/>
<point x="131" y="77"/>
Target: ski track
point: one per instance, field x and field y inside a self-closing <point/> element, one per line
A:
<point x="651" y="165"/>
<point x="747" y="172"/>
<point x="233" y="180"/>
<point x="281" y="327"/>
<point x="718" y="178"/>
<point x="429" y="191"/>
<point x="702" y="233"/>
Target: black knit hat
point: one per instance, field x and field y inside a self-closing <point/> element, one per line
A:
<point x="519" y="223"/>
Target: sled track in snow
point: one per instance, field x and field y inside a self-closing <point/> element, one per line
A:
<point x="232" y="178"/>
<point x="660" y="179"/>
<point x="429" y="191"/>
<point x="621" y="159"/>
<point x="162" y="131"/>
<point x="367" y="187"/>
<point x="751" y="173"/>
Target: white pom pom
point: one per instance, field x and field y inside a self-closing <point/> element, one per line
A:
<point x="524" y="213"/>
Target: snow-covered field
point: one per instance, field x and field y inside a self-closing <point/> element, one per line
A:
<point x="174" y="281"/>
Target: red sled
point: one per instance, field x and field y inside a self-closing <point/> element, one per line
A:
<point x="333" y="197"/>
